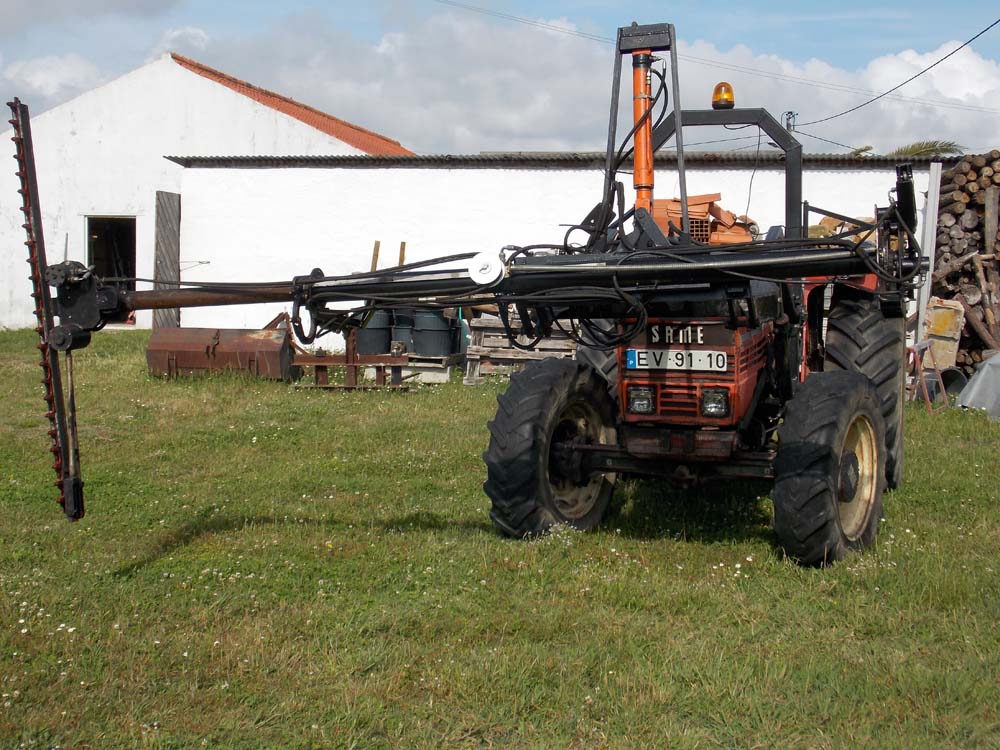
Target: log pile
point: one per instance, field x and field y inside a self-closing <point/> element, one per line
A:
<point x="967" y="258"/>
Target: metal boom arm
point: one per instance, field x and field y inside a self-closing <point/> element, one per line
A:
<point x="567" y="282"/>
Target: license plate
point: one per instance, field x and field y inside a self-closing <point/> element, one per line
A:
<point x="676" y="359"/>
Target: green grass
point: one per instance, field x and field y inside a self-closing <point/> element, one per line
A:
<point x="269" y="567"/>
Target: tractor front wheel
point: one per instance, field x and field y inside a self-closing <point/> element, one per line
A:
<point x="550" y="410"/>
<point x="830" y="468"/>
<point x="861" y="339"/>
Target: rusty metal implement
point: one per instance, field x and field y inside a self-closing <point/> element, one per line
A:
<point x="62" y="422"/>
<point x="265" y="353"/>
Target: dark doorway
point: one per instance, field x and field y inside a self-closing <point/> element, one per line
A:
<point x="111" y="247"/>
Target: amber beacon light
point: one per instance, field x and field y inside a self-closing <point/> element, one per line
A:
<point x="722" y="97"/>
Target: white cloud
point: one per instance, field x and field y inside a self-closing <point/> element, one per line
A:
<point x="186" y="39"/>
<point x="447" y="84"/>
<point x="457" y="83"/>
<point x="966" y="79"/>
<point x="52" y="79"/>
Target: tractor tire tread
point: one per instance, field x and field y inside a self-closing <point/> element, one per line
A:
<point x="512" y="457"/>
<point x="806" y="519"/>
<point x="604" y="361"/>
<point x="860" y="338"/>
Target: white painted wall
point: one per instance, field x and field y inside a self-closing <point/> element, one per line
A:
<point x="272" y="224"/>
<point x="101" y="154"/>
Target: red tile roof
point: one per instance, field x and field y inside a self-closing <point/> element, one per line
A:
<point x="364" y="140"/>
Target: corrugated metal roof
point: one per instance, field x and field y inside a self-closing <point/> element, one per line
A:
<point x="351" y="134"/>
<point x="540" y="160"/>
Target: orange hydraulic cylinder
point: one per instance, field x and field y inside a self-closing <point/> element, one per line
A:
<point x="642" y="171"/>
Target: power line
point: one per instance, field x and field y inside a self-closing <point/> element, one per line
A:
<point x="911" y="78"/>
<point x="799" y="80"/>
<point x="831" y="86"/>
<point x="721" y="140"/>
<point x="528" y="21"/>
<point x="744" y="148"/>
<point x="826" y="140"/>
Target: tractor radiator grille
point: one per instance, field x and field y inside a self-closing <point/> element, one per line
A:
<point x="677" y="400"/>
<point x="752" y="358"/>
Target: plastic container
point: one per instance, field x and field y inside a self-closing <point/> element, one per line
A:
<point x="432" y="334"/>
<point x="462" y="335"/>
<point x="402" y="327"/>
<point x="953" y="378"/>
<point x="375" y="337"/>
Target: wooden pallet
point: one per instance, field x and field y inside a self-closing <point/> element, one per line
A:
<point x="375" y="367"/>
<point x="399" y="366"/>
<point x="426" y="369"/>
<point x="491" y="353"/>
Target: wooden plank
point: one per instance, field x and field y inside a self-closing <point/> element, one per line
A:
<point x="376" y="360"/>
<point x="167" y="254"/>
<point x="472" y="368"/>
<point x="502" y="336"/>
<point x="448" y="361"/>
<point x="552" y="346"/>
<point x="499" y="333"/>
<point x="927" y="244"/>
<point x="335" y="387"/>
<point x="490" y="351"/>
<point x="508" y="369"/>
<point x="990" y="220"/>
<point x="510" y="355"/>
<point x="496" y="342"/>
<point x="989" y="259"/>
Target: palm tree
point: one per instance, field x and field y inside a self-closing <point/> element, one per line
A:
<point x="928" y="148"/>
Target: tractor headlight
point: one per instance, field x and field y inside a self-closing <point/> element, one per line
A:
<point x="715" y="402"/>
<point x="641" y="399"/>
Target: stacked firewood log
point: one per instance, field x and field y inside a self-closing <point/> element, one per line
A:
<point x="967" y="263"/>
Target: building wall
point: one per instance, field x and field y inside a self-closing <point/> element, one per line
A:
<point x="284" y="222"/>
<point x="102" y="154"/>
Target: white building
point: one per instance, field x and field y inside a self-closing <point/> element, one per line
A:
<point x="100" y="163"/>
<point x="299" y="213"/>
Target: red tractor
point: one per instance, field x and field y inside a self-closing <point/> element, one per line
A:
<point x="705" y="351"/>
<point x="724" y="375"/>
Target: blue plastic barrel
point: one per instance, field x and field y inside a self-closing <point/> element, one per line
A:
<point x="374" y="338"/>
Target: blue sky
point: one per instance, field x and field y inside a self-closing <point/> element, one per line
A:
<point x="455" y="73"/>
<point x="849" y="31"/>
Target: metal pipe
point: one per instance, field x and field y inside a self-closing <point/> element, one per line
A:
<point x="928" y="241"/>
<point x="166" y="298"/>
<point x="609" y="164"/>
<point x="789" y="262"/>
<point x="675" y="84"/>
<point x="642" y="167"/>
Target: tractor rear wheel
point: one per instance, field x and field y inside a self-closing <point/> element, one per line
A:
<point x="830" y="468"/>
<point x="533" y="478"/>
<point x="860" y="338"/>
